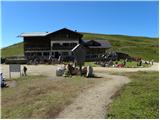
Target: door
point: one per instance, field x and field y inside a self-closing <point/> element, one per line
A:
<point x="57" y="55"/>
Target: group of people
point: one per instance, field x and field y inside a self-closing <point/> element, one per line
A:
<point x="72" y="69"/>
<point x="110" y="63"/>
<point x="45" y="60"/>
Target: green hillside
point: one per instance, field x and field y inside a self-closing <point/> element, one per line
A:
<point x="144" y="47"/>
<point x="13" y="50"/>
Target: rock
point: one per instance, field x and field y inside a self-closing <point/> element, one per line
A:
<point x="66" y="73"/>
<point x="89" y="71"/>
<point x="84" y="70"/>
<point x="59" y="71"/>
<point x="70" y="69"/>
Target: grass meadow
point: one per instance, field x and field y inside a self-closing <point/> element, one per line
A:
<point x="41" y="97"/>
<point x="137" y="100"/>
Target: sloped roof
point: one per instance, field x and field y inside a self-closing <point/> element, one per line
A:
<point x="34" y="34"/>
<point x="92" y="43"/>
<point x="65" y="29"/>
<point x="103" y="43"/>
<point x="41" y="34"/>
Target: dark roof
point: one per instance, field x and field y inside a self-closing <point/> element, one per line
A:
<point x="92" y="43"/>
<point x="102" y="43"/>
<point x="41" y="34"/>
<point x="65" y="29"/>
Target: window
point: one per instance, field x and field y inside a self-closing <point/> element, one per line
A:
<point x="64" y="53"/>
<point x="55" y="44"/>
<point x="65" y="44"/>
<point x="46" y="53"/>
<point x="39" y="53"/>
<point x="73" y="44"/>
<point x="67" y="35"/>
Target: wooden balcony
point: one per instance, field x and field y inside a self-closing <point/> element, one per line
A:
<point x="36" y="48"/>
<point x="62" y="47"/>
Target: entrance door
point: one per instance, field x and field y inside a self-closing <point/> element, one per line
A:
<point x="57" y="55"/>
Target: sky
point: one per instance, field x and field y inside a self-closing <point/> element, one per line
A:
<point x="133" y="18"/>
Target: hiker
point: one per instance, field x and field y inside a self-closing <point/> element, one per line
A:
<point x="124" y="62"/>
<point x="25" y="70"/>
<point x="60" y="59"/>
<point x="110" y="63"/>
<point x="116" y="64"/>
<point x="3" y="84"/>
<point x="68" y="70"/>
<point x="152" y="61"/>
<point x="140" y="63"/>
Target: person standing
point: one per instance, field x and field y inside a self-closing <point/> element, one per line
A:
<point x="25" y="70"/>
<point x="2" y="80"/>
<point x="152" y="61"/>
<point x="60" y="59"/>
<point x="125" y="61"/>
<point x="140" y="63"/>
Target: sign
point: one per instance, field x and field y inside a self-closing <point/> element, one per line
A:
<point x="14" y="68"/>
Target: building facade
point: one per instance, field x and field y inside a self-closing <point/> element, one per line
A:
<point x="60" y="43"/>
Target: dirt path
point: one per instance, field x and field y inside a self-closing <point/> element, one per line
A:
<point x="91" y="104"/>
<point x="50" y="70"/>
<point x="47" y="70"/>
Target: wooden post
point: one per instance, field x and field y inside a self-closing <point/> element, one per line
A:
<point x="9" y="74"/>
<point x="80" y="69"/>
<point x="20" y="73"/>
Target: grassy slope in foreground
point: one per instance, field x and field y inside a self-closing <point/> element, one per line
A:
<point x="40" y="97"/>
<point x="139" y="99"/>
<point x="146" y="48"/>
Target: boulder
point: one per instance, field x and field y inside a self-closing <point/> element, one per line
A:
<point x="89" y="71"/>
<point x="84" y="70"/>
<point x="59" y="71"/>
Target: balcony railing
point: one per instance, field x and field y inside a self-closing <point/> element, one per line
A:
<point x="36" y="48"/>
<point x="61" y="47"/>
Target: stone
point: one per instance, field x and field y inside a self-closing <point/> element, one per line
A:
<point x="89" y="71"/>
<point x="84" y="70"/>
<point x="59" y="71"/>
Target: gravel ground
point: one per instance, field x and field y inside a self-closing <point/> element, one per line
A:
<point x="47" y="70"/>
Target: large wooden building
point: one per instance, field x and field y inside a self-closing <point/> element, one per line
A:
<point x="60" y="43"/>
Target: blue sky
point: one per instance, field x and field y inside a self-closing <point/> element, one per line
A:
<point x="127" y="18"/>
